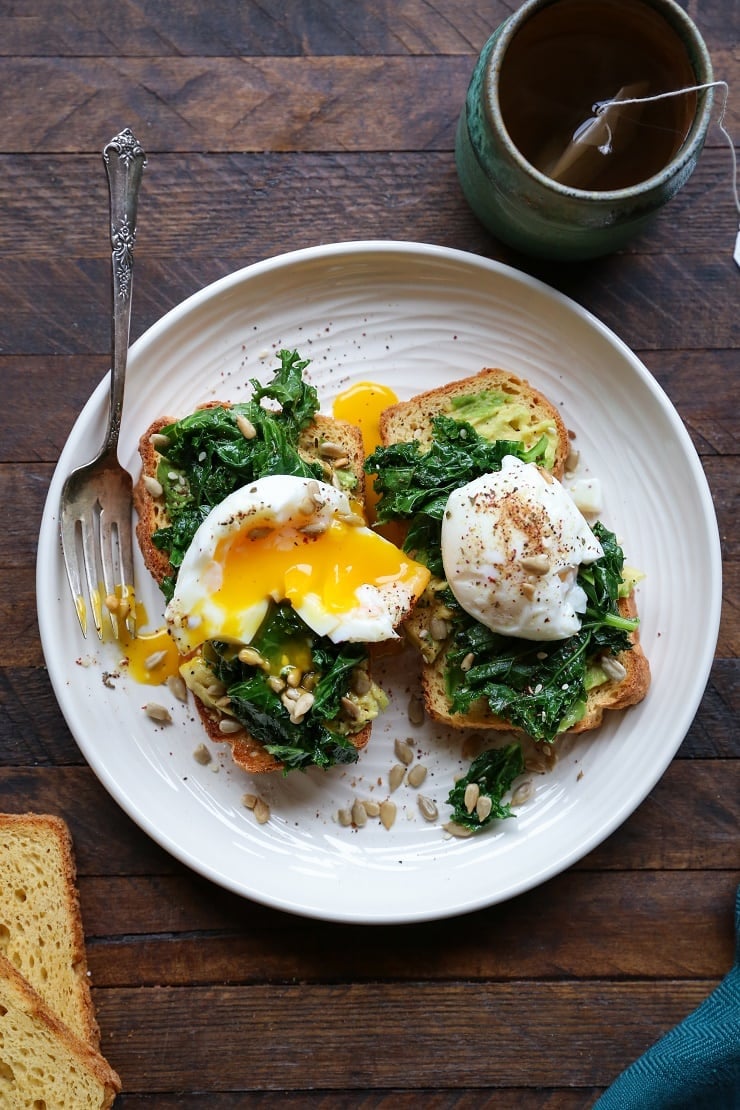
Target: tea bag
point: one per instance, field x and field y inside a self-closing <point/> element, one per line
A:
<point x="598" y="138"/>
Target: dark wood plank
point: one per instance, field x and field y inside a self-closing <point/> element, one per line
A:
<point x="362" y="1039"/>
<point x="228" y="104"/>
<point x="228" y="27"/>
<point x="178" y="928"/>
<point x="676" y="293"/>
<point x="198" y="204"/>
<point x="689" y="821"/>
<point x="516" y="1098"/>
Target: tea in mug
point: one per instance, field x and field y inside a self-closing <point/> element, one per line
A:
<point x="575" y="54"/>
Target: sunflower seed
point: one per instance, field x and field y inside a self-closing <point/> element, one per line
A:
<point x="404" y="751"/>
<point x="387" y="814"/>
<point x="523" y="793"/>
<point x="470" y="798"/>
<point x="261" y="812"/>
<point x="457" y="830"/>
<point x="302" y="705"/>
<point x="439" y="629"/>
<point x="154" y="660"/>
<point x="157" y="712"/>
<point x="535" y="564"/>
<point x="176" y="686"/>
<point x="152" y="486"/>
<point x="251" y="657"/>
<point x="246" y="427"/>
<point x="417" y="774"/>
<point x="228" y="726"/>
<point x="612" y="668"/>
<point x="416" y="711"/>
<point x="395" y="776"/>
<point x="202" y="755"/>
<point x="483" y="807"/>
<point x="331" y="450"/>
<point x="427" y="808"/>
<point x="359" y="814"/>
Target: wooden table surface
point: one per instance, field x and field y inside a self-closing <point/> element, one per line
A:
<point x="269" y="127"/>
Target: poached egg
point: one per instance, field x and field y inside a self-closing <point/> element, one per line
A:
<point x="512" y="543"/>
<point x="285" y="538"/>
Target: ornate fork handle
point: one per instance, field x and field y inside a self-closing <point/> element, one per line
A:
<point x="124" y="160"/>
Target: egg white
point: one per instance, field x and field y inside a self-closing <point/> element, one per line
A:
<point x="512" y="543"/>
<point x="282" y="527"/>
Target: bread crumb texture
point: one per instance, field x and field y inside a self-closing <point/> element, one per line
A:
<point x="40" y="925"/>
<point x="42" y="1065"/>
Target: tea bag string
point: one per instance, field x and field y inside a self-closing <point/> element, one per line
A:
<point x="601" y="106"/>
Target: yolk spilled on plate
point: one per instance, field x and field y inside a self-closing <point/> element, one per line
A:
<point x="150" y="657"/>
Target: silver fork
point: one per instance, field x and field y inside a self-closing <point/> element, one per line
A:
<point x="96" y="498"/>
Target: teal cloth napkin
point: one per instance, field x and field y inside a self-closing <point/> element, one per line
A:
<point x="695" y="1066"/>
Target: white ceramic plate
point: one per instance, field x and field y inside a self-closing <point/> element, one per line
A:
<point x="413" y="317"/>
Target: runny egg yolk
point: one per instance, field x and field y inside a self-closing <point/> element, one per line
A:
<point x="286" y="564"/>
<point x="152" y="657"/>
<point x="362" y="405"/>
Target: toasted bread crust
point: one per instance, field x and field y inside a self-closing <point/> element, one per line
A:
<point x="35" y="1036"/>
<point x="151" y="509"/>
<point x="613" y="694"/>
<point x="29" y="841"/>
<point x="412" y="420"/>
<point x="247" y="752"/>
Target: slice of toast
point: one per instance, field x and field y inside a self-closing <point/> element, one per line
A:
<point x="42" y="1063"/>
<point x="337" y="446"/>
<point x="526" y="414"/>
<point x="328" y="441"/>
<point x="522" y="414"/>
<point x="616" y="693"/>
<point x="41" y="930"/>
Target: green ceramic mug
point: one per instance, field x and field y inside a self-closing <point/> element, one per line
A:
<point x="550" y="157"/>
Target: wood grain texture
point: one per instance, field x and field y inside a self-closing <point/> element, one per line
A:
<point x="190" y="933"/>
<point x="273" y="126"/>
<point x="585" y="1033"/>
<point x="228" y="104"/>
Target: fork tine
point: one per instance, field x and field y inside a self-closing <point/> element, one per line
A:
<point x="69" y="532"/>
<point x="90" y="547"/>
<point x="126" y="551"/>
<point x="108" y="561"/>
<point x="116" y="552"/>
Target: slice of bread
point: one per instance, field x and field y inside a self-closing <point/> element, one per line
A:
<point x="523" y="414"/>
<point x="41" y="930"/>
<point x="337" y="446"/>
<point x="42" y="1063"/>
<point x="616" y="693"/>
<point x="526" y="414"/>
